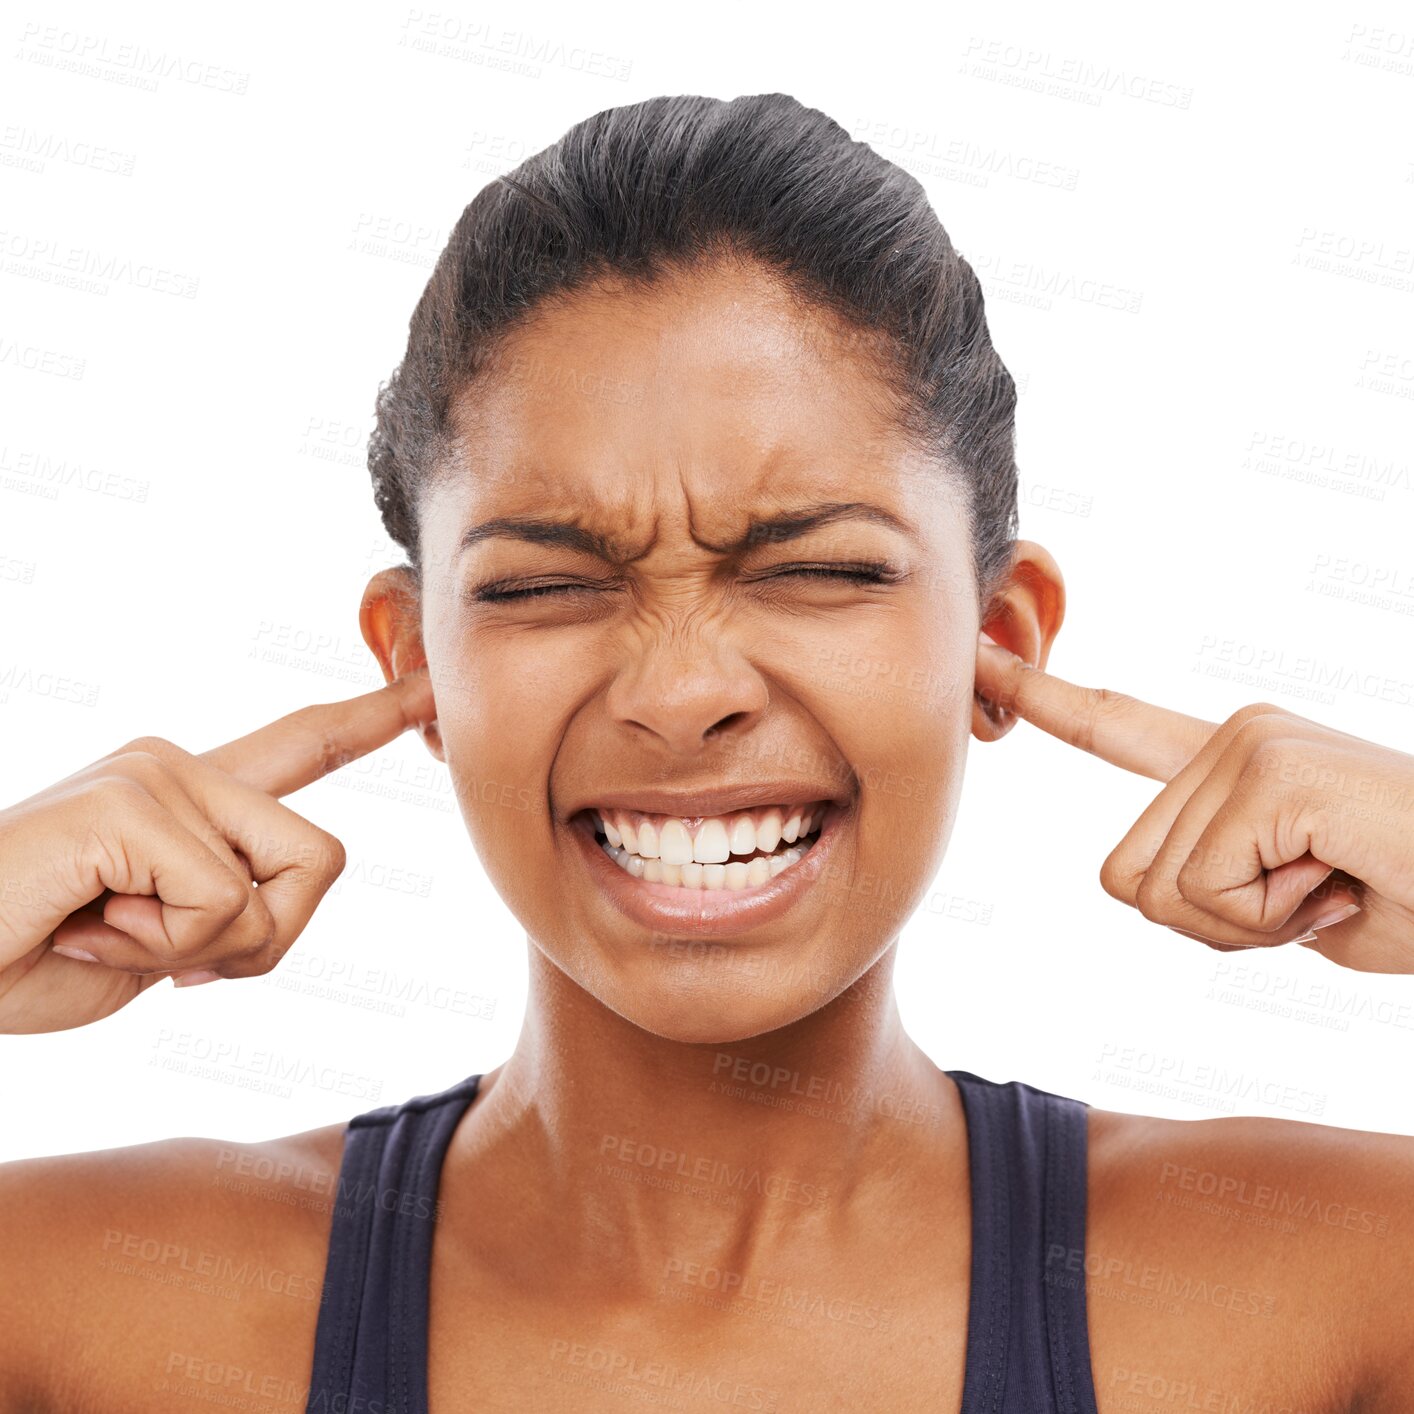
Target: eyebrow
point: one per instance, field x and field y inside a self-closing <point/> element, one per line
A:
<point x="769" y="530"/>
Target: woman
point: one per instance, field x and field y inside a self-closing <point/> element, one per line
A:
<point x="699" y="412"/>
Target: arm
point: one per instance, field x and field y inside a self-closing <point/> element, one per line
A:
<point x="128" y="1277"/>
<point x="1250" y="1263"/>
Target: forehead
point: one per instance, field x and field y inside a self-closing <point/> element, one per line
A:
<point x="717" y="389"/>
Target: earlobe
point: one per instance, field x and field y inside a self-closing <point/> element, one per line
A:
<point x="431" y="735"/>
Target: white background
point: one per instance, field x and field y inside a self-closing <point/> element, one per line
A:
<point x="1196" y="244"/>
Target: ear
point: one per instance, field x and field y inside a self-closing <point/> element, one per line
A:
<point x="390" y="619"/>
<point x="1025" y="615"/>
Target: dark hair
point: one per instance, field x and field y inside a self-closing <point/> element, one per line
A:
<point x="667" y="184"/>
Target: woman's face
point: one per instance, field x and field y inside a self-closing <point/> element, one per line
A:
<point x="685" y="665"/>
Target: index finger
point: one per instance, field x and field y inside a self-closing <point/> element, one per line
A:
<point x="1125" y="731"/>
<point x="295" y="750"/>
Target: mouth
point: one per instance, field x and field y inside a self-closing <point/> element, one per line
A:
<point x="731" y="852"/>
<point x="696" y="875"/>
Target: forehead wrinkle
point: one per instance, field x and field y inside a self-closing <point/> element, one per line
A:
<point x="598" y="518"/>
<point x="570" y="499"/>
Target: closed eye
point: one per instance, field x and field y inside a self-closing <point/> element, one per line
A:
<point x="863" y="572"/>
<point x="496" y="594"/>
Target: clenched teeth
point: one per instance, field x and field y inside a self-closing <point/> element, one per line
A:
<point x="710" y="840"/>
<point x="698" y="853"/>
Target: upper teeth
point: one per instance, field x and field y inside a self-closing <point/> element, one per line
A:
<point x="712" y="839"/>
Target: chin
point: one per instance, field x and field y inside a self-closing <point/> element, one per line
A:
<point x="700" y="992"/>
<point x="718" y="1022"/>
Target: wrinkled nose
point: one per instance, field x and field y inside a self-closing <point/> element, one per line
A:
<point x="689" y="696"/>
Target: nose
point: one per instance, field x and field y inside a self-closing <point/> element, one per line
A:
<point x="689" y="696"/>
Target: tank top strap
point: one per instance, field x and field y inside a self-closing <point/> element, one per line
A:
<point x="1027" y="1338"/>
<point x="370" y="1347"/>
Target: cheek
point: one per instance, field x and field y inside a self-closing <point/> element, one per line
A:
<point x="894" y="696"/>
<point x="893" y="686"/>
<point x="503" y="704"/>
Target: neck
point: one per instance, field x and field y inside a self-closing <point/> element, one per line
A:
<point x="644" y="1146"/>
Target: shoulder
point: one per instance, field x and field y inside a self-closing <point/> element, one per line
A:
<point x="135" y="1276"/>
<point x="1219" y="1245"/>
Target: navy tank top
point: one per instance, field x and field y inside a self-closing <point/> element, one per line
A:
<point x="1028" y="1349"/>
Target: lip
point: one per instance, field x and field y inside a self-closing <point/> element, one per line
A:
<point x="707" y="913"/>
<point x="718" y="800"/>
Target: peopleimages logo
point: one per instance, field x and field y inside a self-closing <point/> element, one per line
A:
<point x="1065" y="76"/>
<point x="636" y="1154"/>
<point x="625" y="1371"/>
<point x="98" y="56"/>
<point x="54" y="261"/>
<point x="1226" y="1188"/>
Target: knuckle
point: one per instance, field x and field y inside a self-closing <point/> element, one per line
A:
<point x="231" y="897"/>
<point x="118" y="793"/>
<point x="317" y="854"/>
<point x="1101" y="704"/>
<point x="1268" y="750"/>
<point x="144" y="766"/>
<point x="1194" y="887"/>
<point x="1188" y="880"/>
<point x="150" y="746"/>
<point x="258" y="925"/>
<point x="314" y="720"/>
<point x="262" y="939"/>
<point x="335" y="856"/>
<point x="1114" y="878"/>
<point x="241" y="949"/>
<point x="269" y="958"/>
<point x="1255" y="712"/>
<point x="262" y="956"/>
<point x="1147" y="900"/>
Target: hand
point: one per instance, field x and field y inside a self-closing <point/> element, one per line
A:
<point x="154" y="863"/>
<point x="1270" y="829"/>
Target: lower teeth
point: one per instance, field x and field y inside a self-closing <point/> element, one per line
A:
<point x="738" y="874"/>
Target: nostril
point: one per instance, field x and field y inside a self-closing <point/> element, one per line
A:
<point x="726" y="724"/>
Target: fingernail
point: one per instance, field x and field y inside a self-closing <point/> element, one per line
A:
<point x="78" y="953"/>
<point x="195" y="977"/>
<point x="1326" y="919"/>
